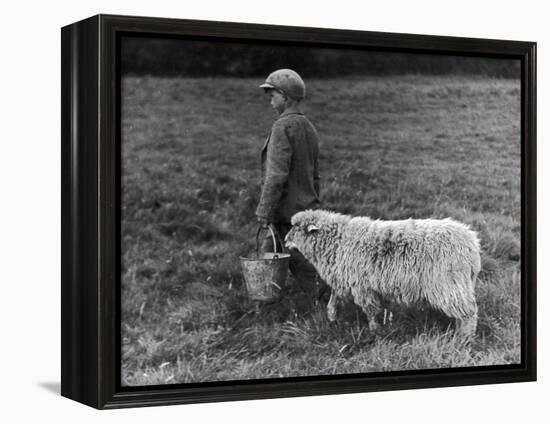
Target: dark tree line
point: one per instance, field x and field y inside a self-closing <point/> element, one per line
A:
<point x="195" y="58"/>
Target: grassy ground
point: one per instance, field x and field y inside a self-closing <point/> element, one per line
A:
<point x="392" y="148"/>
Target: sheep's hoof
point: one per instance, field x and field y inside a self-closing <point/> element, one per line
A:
<point x="331" y="315"/>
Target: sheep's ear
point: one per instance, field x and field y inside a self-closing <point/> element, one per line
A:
<point x="312" y="228"/>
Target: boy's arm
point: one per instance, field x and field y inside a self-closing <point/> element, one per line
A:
<point x="279" y="155"/>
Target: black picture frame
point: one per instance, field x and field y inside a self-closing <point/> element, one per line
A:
<point x="90" y="176"/>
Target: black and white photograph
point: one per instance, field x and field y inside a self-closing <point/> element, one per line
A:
<point x="294" y="210"/>
<point x="286" y="212"/>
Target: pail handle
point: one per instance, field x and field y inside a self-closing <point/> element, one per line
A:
<point x="274" y="235"/>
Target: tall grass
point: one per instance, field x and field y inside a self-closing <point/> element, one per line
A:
<point x="392" y="148"/>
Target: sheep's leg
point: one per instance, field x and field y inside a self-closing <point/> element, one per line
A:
<point x="332" y="306"/>
<point x="467" y="325"/>
<point x="371" y="306"/>
<point x="464" y="311"/>
<point x="372" y="311"/>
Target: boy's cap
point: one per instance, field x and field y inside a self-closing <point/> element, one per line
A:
<point x="287" y="81"/>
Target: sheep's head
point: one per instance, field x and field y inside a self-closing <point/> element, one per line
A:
<point x="312" y="230"/>
<point x="304" y="231"/>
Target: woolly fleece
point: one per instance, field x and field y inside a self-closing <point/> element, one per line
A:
<point x="413" y="261"/>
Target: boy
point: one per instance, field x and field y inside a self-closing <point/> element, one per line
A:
<point x="290" y="167"/>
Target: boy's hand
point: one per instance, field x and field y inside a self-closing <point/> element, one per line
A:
<point x="264" y="222"/>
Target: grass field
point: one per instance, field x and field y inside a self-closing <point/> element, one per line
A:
<point x="392" y="148"/>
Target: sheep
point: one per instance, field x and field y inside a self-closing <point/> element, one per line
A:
<point x="412" y="262"/>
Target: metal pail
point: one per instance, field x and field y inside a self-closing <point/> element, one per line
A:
<point x="265" y="275"/>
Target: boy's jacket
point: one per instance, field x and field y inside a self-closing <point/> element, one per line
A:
<point x="290" y="169"/>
